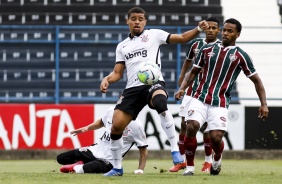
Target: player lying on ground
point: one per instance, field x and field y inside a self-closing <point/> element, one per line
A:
<point x="98" y="157"/>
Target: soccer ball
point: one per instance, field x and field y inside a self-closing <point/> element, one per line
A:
<point x="148" y="73"/>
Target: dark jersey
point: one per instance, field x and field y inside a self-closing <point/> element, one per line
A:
<point x="193" y="49"/>
<point x="221" y="67"/>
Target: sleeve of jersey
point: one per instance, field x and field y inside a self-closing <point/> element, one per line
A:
<point x="139" y="135"/>
<point x="109" y="114"/>
<point x="119" y="57"/>
<point x="199" y="61"/>
<point x="247" y="64"/>
<point x="160" y="35"/>
<point x="189" y="53"/>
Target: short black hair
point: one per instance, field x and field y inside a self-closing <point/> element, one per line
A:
<point x="213" y="19"/>
<point x="236" y="22"/>
<point x="136" y="10"/>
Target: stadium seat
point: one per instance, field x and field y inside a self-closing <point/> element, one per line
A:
<point x="125" y="2"/>
<point x="34" y="18"/>
<point x="34" y="2"/>
<point x="12" y="18"/>
<point x="54" y="19"/>
<point x="173" y="2"/>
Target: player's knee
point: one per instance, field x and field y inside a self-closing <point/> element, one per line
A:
<point x="160" y="103"/>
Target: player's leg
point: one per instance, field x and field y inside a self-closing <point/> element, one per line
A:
<point x="96" y="166"/>
<point x="74" y="157"/>
<point x="159" y="103"/>
<point x="182" y="113"/>
<point x="217" y="125"/>
<point x="207" y="148"/>
<point x="120" y="120"/>
<point x="196" y="117"/>
<point x="128" y="107"/>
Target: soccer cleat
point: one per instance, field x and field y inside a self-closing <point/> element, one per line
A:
<point x="189" y="171"/>
<point x="215" y="171"/>
<point x="114" y="172"/>
<point x="206" y="167"/>
<point x="69" y="167"/>
<point x="176" y="157"/>
<point x="178" y="167"/>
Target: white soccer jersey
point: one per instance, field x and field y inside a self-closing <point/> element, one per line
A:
<point x="133" y="134"/>
<point x="139" y="49"/>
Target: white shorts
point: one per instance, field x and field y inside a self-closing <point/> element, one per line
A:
<point x="216" y="117"/>
<point x="184" y="105"/>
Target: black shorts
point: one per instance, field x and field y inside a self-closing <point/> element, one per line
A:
<point x="134" y="99"/>
<point x="91" y="163"/>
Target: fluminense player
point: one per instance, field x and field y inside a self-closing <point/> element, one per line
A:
<point x="192" y="51"/>
<point x="98" y="157"/>
<point x="142" y="45"/>
<point x="220" y="64"/>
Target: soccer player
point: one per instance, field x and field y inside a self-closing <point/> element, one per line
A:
<point x="141" y="46"/>
<point x="98" y="158"/>
<point x="221" y="64"/>
<point x="193" y="49"/>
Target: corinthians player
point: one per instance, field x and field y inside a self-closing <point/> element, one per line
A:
<point x="142" y="46"/>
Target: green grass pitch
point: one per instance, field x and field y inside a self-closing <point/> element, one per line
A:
<point x="156" y="171"/>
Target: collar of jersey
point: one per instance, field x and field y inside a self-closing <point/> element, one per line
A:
<point x="129" y="35"/>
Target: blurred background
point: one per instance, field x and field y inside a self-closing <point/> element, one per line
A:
<point x="54" y="54"/>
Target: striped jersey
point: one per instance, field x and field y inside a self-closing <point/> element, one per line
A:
<point x="221" y="67"/>
<point x="136" y="50"/>
<point x="193" y="49"/>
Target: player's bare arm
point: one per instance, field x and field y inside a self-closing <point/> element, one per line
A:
<point x="188" y="35"/>
<point x="189" y="78"/>
<point x="263" y="110"/>
<point x="114" y="76"/>
<point x="185" y="67"/>
<point x="93" y="126"/>
<point x="142" y="160"/>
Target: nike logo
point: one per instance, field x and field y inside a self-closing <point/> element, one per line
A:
<point x="114" y="149"/>
<point x="124" y="46"/>
<point x="168" y="126"/>
<point x="109" y="122"/>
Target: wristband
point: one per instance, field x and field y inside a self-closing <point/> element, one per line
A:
<point x="200" y="29"/>
<point x="138" y="171"/>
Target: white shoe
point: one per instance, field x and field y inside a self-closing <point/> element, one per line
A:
<point x="216" y="164"/>
<point x="189" y="171"/>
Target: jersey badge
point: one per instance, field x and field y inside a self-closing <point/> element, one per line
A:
<point x="232" y="57"/>
<point x="144" y="38"/>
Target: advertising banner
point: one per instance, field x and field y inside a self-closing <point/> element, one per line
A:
<point x="44" y="126"/>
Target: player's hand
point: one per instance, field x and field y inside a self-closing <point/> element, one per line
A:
<point x="203" y="25"/>
<point x="78" y="131"/>
<point x="138" y="171"/>
<point x="263" y="112"/>
<point x="179" y="94"/>
<point x="104" y="85"/>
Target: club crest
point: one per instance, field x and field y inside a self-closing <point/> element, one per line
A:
<point x="232" y="57"/>
<point x="144" y="38"/>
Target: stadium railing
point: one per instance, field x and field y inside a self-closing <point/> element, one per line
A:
<point x="65" y="64"/>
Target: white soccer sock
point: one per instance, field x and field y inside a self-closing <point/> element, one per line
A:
<point x="208" y="158"/>
<point x="78" y="169"/>
<point x="116" y="148"/>
<point x="169" y="128"/>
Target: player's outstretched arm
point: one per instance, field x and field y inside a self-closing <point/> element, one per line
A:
<point x="114" y="76"/>
<point x="188" y="35"/>
<point x="93" y="126"/>
<point x="142" y="160"/>
<point x="263" y="110"/>
<point x="185" y="67"/>
<point x="189" y="78"/>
